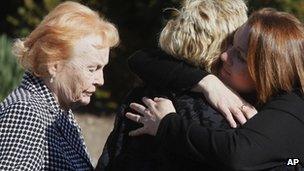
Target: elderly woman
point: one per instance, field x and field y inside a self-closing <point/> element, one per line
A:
<point x="270" y="46"/>
<point x="64" y="59"/>
<point x="195" y="35"/>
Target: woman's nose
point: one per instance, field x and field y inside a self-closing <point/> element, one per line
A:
<point x="99" y="80"/>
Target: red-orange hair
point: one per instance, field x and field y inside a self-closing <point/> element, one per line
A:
<point x="54" y="37"/>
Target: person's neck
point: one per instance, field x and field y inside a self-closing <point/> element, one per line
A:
<point x="55" y="93"/>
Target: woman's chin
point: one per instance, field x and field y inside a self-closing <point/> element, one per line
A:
<point x="82" y="102"/>
<point x="85" y="101"/>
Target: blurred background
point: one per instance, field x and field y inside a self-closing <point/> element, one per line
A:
<point x="139" y="23"/>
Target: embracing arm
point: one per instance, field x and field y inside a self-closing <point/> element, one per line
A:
<point x="259" y="144"/>
<point x="265" y="141"/>
<point x="158" y="69"/>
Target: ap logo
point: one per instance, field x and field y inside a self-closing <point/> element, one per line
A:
<point x="292" y="162"/>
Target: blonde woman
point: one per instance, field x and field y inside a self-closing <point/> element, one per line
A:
<point x="197" y="35"/>
<point x="194" y="35"/>
<point x="270" y="46"/>
<point x="64" y="58"/>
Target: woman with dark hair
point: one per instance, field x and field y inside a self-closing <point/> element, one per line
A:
<point x="271" y="45"/>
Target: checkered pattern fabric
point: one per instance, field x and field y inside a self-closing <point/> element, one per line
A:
<point x="35" y="134"/>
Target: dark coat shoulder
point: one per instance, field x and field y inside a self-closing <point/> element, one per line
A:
<point x="123" y="152"/>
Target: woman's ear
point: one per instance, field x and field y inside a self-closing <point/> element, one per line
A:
<point x="53" y="68"/>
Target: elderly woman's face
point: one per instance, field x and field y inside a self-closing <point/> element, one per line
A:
<point x="234" y="71"/>
<point x="79" y="77"/>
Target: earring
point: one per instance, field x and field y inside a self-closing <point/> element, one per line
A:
<point x="52" y="80"/>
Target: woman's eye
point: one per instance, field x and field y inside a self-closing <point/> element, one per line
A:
<point x="91" y="70"/>
<point x="95" y="68"/>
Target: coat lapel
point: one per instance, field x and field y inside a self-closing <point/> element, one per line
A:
<point x="65" y="121"/>
<point x="72" y="134"/>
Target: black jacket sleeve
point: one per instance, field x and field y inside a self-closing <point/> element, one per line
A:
<point x="267" y="140"/>
<point x="161" y="70"/>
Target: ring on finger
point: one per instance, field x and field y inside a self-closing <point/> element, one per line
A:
<point x="243" y="107"/>
<point x="138" y="118"/>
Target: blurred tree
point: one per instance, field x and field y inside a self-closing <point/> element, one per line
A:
<point x="295" y="7"/>
<point x="28" y="15"/>
<point x="10" y="72"/>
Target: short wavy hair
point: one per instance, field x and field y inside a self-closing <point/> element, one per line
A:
<point x="53" y="38"/>
<point x="197" y="33"/>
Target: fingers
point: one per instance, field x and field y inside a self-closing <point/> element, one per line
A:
<point x="249" y="111"/>
<point x="133" y="117"/>
<point x="229" y="117"/>
<point x="143" y="130"/>
<point x="149" y="102"/>
<point x="158" y="99"/>
<point x="139" y="131"/>
<point x="139" y="108"/>
<point x="238" y="115"/>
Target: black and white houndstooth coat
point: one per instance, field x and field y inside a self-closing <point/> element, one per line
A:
<point x="35" y="134"/>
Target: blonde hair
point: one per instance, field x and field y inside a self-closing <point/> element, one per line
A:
<point x="197" y="33"/>
<point x="53" y="38"/>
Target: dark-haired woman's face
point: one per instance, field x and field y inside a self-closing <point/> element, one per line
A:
<point x="234" y="71"/>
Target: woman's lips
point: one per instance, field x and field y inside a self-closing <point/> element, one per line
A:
<point x="88" y="93"/>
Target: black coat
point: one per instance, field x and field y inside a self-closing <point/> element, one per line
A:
<point x="123" y="152"/>
<point x="265" y="142"/>
<point x="268" y="140"/>
<point x="148" y="153"/>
